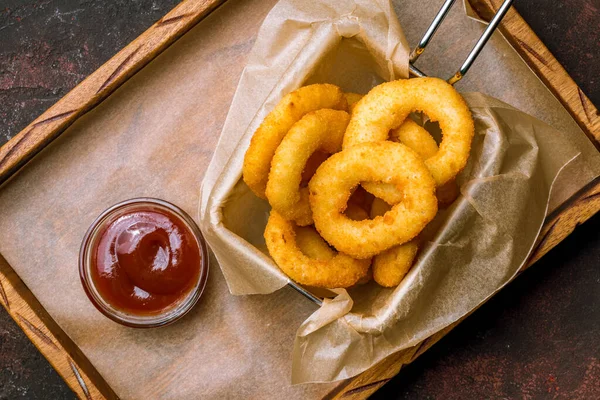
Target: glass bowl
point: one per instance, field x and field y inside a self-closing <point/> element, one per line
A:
<point x="165" y="316"/>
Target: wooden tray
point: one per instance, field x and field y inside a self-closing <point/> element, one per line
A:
<point x="64" y="355"/>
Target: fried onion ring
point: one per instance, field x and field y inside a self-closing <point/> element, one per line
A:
<point x="311" y="166"/>
<point x="312" y="245"/>
<point x="384" y="161"/>
<point x="390" y="266"/>
<point x="352" y="99"/>
<point x="418" y="139"/>
<point x="356" y="212"/>
<point x="318" y="130"/>
<point x="408" y="133"/>
<point x="361" y="198"/>
<point x="388" y="105"/>
<point x="341" y="271"/>
<point x="268" y="136"/>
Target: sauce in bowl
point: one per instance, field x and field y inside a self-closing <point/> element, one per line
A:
<point x="143" y="263"/>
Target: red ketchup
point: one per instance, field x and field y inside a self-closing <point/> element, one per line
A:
<point x="145" y="261"/>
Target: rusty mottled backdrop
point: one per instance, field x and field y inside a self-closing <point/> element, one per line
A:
<point x="538" y="339"/>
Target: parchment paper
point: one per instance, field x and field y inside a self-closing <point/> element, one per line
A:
<point x="155" y="137"/>
<point x="469" y="252"/>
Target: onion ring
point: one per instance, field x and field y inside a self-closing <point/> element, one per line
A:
<point x="352" y="99"/>
<point x="388" y="105"/>
<point x="361" y="198"/>
<point x="318" y="130"/>
<point x="311" y="166"/>
<point x="414" y="136"/>
<point x="356" y="212"/>
<point x="418" y="139"/>
<point x="338" y="272"/>
<point x="332" y="185"/>
<point x="266" y="139"/>
<point x="390" y="267"/>
<point x="312" y="245"/>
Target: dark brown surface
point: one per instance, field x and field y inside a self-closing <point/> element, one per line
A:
<point x="48" y="46"/>
<point x="538" y="339"/>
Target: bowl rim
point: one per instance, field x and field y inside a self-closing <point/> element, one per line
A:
<point x="170" y="315"/>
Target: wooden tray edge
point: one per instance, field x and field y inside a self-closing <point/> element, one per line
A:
<point x="101" y="83"/>
<point x="556" y="228"/>
<point x="535" y="53"/>
<point x="64" y="356"/>
<point x="34" y="320"/>
<point x="20" y="303"/>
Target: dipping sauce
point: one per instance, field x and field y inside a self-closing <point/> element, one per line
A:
<point x="143" y="259"/>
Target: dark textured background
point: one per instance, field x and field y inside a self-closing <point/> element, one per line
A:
<point x="538" y="339"/>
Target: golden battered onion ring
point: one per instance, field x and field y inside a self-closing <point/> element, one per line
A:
<point x="418" y="139"/>
<point x="388" y="105"/>
<point x="338" y="272"/>
<point x="312" y="245"/>
<point x="383" y="161"/>
<point x="318" y="130"/>
<point x="361" y="198"/>
<point x="292" y="107"/>
<point x="390" y="267"/>
<point x="356" y="212"/>
<point x="352" y="99"/>
<point x="311" y="166"/>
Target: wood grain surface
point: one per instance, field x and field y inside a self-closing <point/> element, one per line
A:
<point x="100" y="84"/>
<point x="56" y="346"/>
<point x="47" y="336"/>
<point x="15" y="297"/>
<point x="543" y="63"/>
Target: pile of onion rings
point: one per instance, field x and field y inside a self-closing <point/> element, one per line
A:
<point x="321" y="130"/>
<point x="276" y="125"/>
<point x="322" y="158"/>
